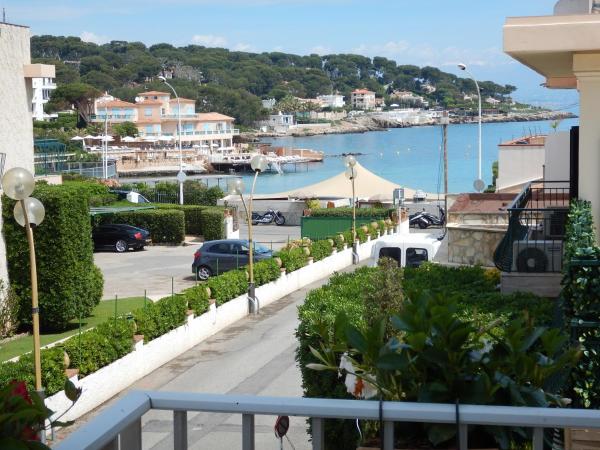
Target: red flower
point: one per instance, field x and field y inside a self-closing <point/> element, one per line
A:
<point x="20" y="390"/>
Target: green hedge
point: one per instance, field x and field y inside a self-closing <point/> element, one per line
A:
<point x="197" y="299"/>
<point x="204" y="221"/>
<point x="100" y="346"/>
<point x="166" y="226"/>
<point x="161" y="317"/>
<point x="228" y="285"/>
<point x="266" y="271"/>
<point x="69" y="283"/>
<point x="293" y="258"/>
<point x="321" y="249"/>
<point x="53" y="370"/>
<point x="375" y="213"/>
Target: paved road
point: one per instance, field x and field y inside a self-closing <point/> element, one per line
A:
<point x="153" y="270"/>
<point x="255" y="356"/>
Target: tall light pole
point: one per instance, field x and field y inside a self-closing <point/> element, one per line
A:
<point x="258" y="163"/>
<point x="351" y="174"/>
<point x="181" y="174"/>
<point x="105" y="144"/>
<point x="18" y="184"/>
<point x="478" y="183"/>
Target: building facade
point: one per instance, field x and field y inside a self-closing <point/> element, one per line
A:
<point x="519" y="162"/>
<point x="331" y="101"/>
<point x="42" y="90"/>
<point x="362" y="99"/>
<point x="16" y="95"/>
<point x="156" y="116"/>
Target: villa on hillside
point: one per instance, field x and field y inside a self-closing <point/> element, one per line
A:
<point x="362" y="99"/>
<point x="155" y="115"/>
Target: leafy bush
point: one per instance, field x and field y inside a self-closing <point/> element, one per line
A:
<point x="164" y="225"/>
<point x="197" y="299"/>
<point x="266" y="271"/>
<point x="228" y="285"/>
<point x="100" y="346"/>
<point x="160" y="317"/>
<point x="293" y="259"/>
<point x="321" y="249"/>
<point x="102" y="200"/>
<point x="53" y="370"/>
<point x="69" y="282"/>
<point x="9" y="311"/>
<point x="212" y="223"/>
<point x="369" y="213"/>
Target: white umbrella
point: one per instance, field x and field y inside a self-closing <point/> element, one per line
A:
<point x="215" y="145"/>
<point x="89" y="136"/>
<point x="165" y="138"/>
<point x="77" y="138"/>
<point x="196" y="146"/>
<point x="106" y="138"/>
<point x="150" y="138"/>
<point x="204" y="146"/>
<point x="97" y="137"/>
<point x="128" y="139"/>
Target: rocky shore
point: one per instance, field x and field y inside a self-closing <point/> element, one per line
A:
<point x="374" y="122"/>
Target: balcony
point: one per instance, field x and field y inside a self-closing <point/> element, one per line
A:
<point x="120" y="426"/>
<point x="533" y="245"/>
<point x="111" y="117"/>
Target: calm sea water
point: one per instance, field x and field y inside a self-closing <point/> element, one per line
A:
<point x="410" y="157"/>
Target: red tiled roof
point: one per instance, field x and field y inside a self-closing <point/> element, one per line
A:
<point x="182" y="100"/>
<point x="362" y="91"/>
<point x="143" y="94"/>
<point x="116" y="102"/>
<point x="537" y="141"/>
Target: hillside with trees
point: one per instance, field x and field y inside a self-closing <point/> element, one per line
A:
<point x="233" y="82"/>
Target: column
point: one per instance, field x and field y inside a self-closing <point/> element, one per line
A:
<point x="587" y="70"/>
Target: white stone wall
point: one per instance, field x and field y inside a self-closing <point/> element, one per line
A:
<point x="558" y="157"/>
<point x="16" y="127"/>
<point x="519" y="164"/>
<point x="473" y="245"/>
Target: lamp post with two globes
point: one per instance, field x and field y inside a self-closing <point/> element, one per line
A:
<point x="18" y="184"/>
<point x="351" y="174"/>
<point x="479" y="185"/>
<point x="258" y="163"/>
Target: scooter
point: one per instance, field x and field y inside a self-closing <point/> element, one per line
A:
<point x="419" y="220"/>
<point x="269" y="217"/>
<point x="435" y="220"/>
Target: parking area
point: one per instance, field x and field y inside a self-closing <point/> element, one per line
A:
<point x="157" y="268"/>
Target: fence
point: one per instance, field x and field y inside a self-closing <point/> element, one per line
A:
<point x="120" y="426"/>
<point x="317" y="228"/>
<point x="536" y="230"/>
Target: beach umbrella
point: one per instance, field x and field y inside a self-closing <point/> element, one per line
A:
<point x="97" y="138"/>
<point x="106" y="138"/>
<point x="77" y="138"/>
<point x="128" y="139"/>
<point x="215" y="145"/>
<point x="89" y="136"/>
<point x="196" y="146"/>
<point x="204" y="146"/>
<point x="165" y="138"/>
<point x="150" y="138"/>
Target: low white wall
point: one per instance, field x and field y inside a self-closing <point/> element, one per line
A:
<point x="107" y="382"/>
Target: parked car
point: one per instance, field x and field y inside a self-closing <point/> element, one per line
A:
<point x="409" y="250"/>
<point x="120" y="237"/>
<point x="215" y="257"/>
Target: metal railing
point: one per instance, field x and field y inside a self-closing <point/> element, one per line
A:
<point x="536" y="229"/>
<point x="120" y="426"/>
<point x="102" y="117"/>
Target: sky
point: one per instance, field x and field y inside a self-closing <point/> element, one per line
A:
<point x="439" y="33"/>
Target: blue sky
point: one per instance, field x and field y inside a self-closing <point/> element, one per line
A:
<point x="440" y="33"/>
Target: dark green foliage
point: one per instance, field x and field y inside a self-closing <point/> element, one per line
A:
<point x="293" y="259"/>
<point x="228" y="285"/>
<point x="369" y="213"/>
<point x="266" y="271"/>
<point x="69" y="283"/>
<point x="320" y="249"/>
<point x="160" y="317"/>
<point x="53" y="370"/>
<point x="100" y="346"/>
<point x="165" y="225"/>
<point x="102" y="200"/>
<point x="197" y="299"/>
<point x="212" y="224"/>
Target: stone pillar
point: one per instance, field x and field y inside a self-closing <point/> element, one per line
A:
<point x="586" y="67"/>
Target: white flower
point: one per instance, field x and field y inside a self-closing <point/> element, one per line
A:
<point x="359" y="387"/>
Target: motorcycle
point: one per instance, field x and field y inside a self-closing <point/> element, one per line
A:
<point x="269" y="217"/>
<point x="424" y="219"/>
<point x="435" y="220"/>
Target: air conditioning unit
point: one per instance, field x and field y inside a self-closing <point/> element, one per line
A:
<point x="537" y="256"/>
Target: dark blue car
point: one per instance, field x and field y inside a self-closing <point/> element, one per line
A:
<point x="215" y="257"/>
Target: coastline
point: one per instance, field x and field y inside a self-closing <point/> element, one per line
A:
<point x="366" y="123"/>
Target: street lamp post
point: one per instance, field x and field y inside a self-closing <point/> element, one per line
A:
<point x="181" y="174"/>
<point x="351" y="174"/>
<point x="258" y="163"/>
<point x="18" y="184"/>
<point x="464" y="68"/>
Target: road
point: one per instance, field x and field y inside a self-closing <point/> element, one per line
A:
<point x="255" y="356"/>
<point x="153" y="270"/>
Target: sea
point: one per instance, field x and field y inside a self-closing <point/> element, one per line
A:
<point x="410" y="157"/>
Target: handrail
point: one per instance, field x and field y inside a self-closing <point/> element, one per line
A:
<point x="122" y="421"/>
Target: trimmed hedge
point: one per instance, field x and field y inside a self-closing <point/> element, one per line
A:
<point x="165" y="225"/>
<point x="293" y="258"/>
<point x="228" y="285"/>
<point x="374" y="213"/>
<point x="321" y="249"/>
<point x="207" y="221"/>
<point x="53" y="370"/>
<point x="266" y="271"/>
<point x="100" y="346"/>
<point x="197" y="299"/>
<point x="160" y="317"/>
<point x="69" y="283"/>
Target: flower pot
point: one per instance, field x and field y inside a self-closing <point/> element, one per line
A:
<point x="70" y="373"/>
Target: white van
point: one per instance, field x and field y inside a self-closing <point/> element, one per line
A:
<point x="409" y="250"/>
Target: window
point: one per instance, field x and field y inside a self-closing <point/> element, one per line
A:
<point x="394" y="253"/>
<point x="221" y="248"/>
<point x="239" y="249"/>
<point x="416" y="256"/>
<point x="148" y="112"/>
<point x="149" y="129"/>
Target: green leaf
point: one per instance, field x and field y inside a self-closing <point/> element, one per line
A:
<point x="356" y="339"/>
<point x="393" y="361"/>
<point x="532" y="338"/>
<point x="440" y="433"/>
<point x="318" y="367"/>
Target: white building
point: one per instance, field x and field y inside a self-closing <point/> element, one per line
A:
<point x="16" y="94"/>
<point x="362" y="99"/>
<point x="331" y="101"/>
<point x="492" y="101"/>
<point x="269" y="103"/>
<point x="279" y="123"/>
<point x="42" y="90"/>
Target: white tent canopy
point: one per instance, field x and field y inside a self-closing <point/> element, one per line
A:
<point x="77" y="138"/>
<point x="367" y="185"/>
<point x="128" y="139"/>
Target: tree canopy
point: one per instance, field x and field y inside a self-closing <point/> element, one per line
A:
<point x="233" y="82"/>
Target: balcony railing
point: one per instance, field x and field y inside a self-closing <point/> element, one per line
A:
<point x="120" y="426"/>
<point x="102" y="117"/>
<point x="536" y="229"/>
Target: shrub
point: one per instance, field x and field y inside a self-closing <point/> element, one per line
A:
<point x="197" y="299"/>
<point x="192" y="216"/>
<point x="9" y="311"/>
<point x="102" y="200"/>
<point x="164" y="225"/>
<point x="53" y="370"/>
<point x="321" y="249"/>
<point x="266" y="271"/>
<point x="100" y="346"/>
<point x="293" y="259"/>
<point x="228" y="285"/>
<point x="69" y="283"/>
<point x="160" y="317"/>
<point x="369" y="213"/>
<point x="212" y="223"/>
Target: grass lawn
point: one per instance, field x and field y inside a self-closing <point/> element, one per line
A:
<point x="102" y="312"/>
